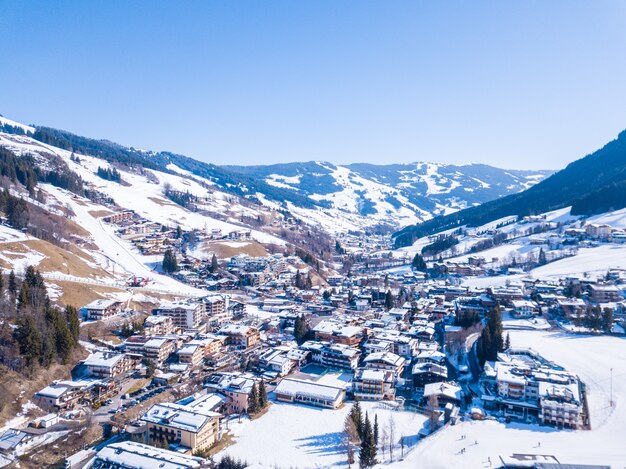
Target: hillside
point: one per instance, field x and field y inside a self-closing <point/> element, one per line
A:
<point x="332" y="198"/>
<point x="591" y="185"/>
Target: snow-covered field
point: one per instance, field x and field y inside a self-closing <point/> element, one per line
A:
<point x="591" y="357"/>
<point x="308" y="437"/>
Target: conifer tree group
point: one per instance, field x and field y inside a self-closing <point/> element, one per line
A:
<point x="257" y="400"/>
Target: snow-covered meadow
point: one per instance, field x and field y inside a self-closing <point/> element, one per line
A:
<point x="292" y="435"/>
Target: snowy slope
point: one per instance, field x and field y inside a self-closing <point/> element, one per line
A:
<point x="362" y="195"/>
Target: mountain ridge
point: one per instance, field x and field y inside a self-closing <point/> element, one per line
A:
<point x="585" y="184"/>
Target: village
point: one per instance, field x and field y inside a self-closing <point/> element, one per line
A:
<point x="397" y="334"/>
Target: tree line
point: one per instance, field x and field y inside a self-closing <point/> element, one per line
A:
<point x="33" y="332"/>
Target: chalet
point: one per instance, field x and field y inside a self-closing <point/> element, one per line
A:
<point x="605" y="293"/>
<point x="385" y="361"/>
<point x="428" y="372"/>
<point x="119" y="216"/>
<point x="102" y="309"/>
<point x="334" y="356"/>
<point x="333" y="331"/>
<point x="61" y="395"/>
<point x="109" y="364"/>
<point x="241" y="336"/>
<point x="192" y="354"/>
<point x="523" y="308"/>
<point x="571" y="307"/>
<point x="373" y="385"/>
<point x="235" y="386"/>
<point x="190" y="428"/>
<point x="444" y="393"/>
<point x="158" y="349"/>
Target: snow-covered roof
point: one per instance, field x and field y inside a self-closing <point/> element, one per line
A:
<point x="103" y="359"/>
<point x="388" y="358"/>
<point x="179" y="416"/>
<point x="294" y="387"/>
<point x="449" y="390"/>
<point x="129" y="454"/>
<point x="101" y="304"/>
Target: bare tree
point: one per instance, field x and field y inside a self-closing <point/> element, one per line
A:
<point x="350" y="438"/>
<point x="384" y="437"/>
<point x="391" y="425"/>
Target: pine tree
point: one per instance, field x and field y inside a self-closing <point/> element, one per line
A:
<point x="1" y="282"/>
<point x="12" y="283"/>
<point x="64" y="340"/>
<point x="169" y="262"/>
<point x="507" y="342"/>
<point x="388" y="300"/>
<point x="607" y="319"/>
<point x="367" y="455"/>
<point x="150" y="368"/>
<point x="357" y="417"/>
<point x="214" y="264"/>
<point x="376" y="429"/>
<point x="300" y="330"/>
<point x="418" y="262"/>
<point x="179" y="232"/>
<point x="253" y="400"/>
<point x="28" y="339"/>
<point x="73" y="322"/>
<point x="22" y="299"/>
<point x="542" y="257"/>
<point x="262" y="395"/>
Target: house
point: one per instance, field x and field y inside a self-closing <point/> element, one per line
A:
<point x="444" y="393"/>
<point x="605" y="293"/>
<point x="132" y="455"/>
<point x="333" y="331"/>
<point x="192" y="354"/>
<point x="158" y="349"/>
<point x="526" y="385"/>
<point x="385" y="361"/>
<point x="310" y="392"/>
<point x="373" y="385"/>
<point x="19" y="442"/>
<point x="523" y="308"/>
<point x="188" y="428"/>
<point x="335" y="356"/>
<point x="109" y="364"/>
<point x="185" y="314"/>
<point x="102" y="309"/>
<point x="428" y="372"/>
<point x="61" y="395"/>
<point x="158" y="325"/>
<point x="240" y="336"/>
<point x="235" y="386"/>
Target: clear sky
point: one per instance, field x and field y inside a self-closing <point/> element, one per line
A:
<point x="514" y="84"/>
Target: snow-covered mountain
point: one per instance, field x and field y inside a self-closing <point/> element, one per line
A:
<point x="331" y="198"/>
<point x="365" y="195"/>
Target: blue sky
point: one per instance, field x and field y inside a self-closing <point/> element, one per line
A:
<point x="513" y="84"/>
